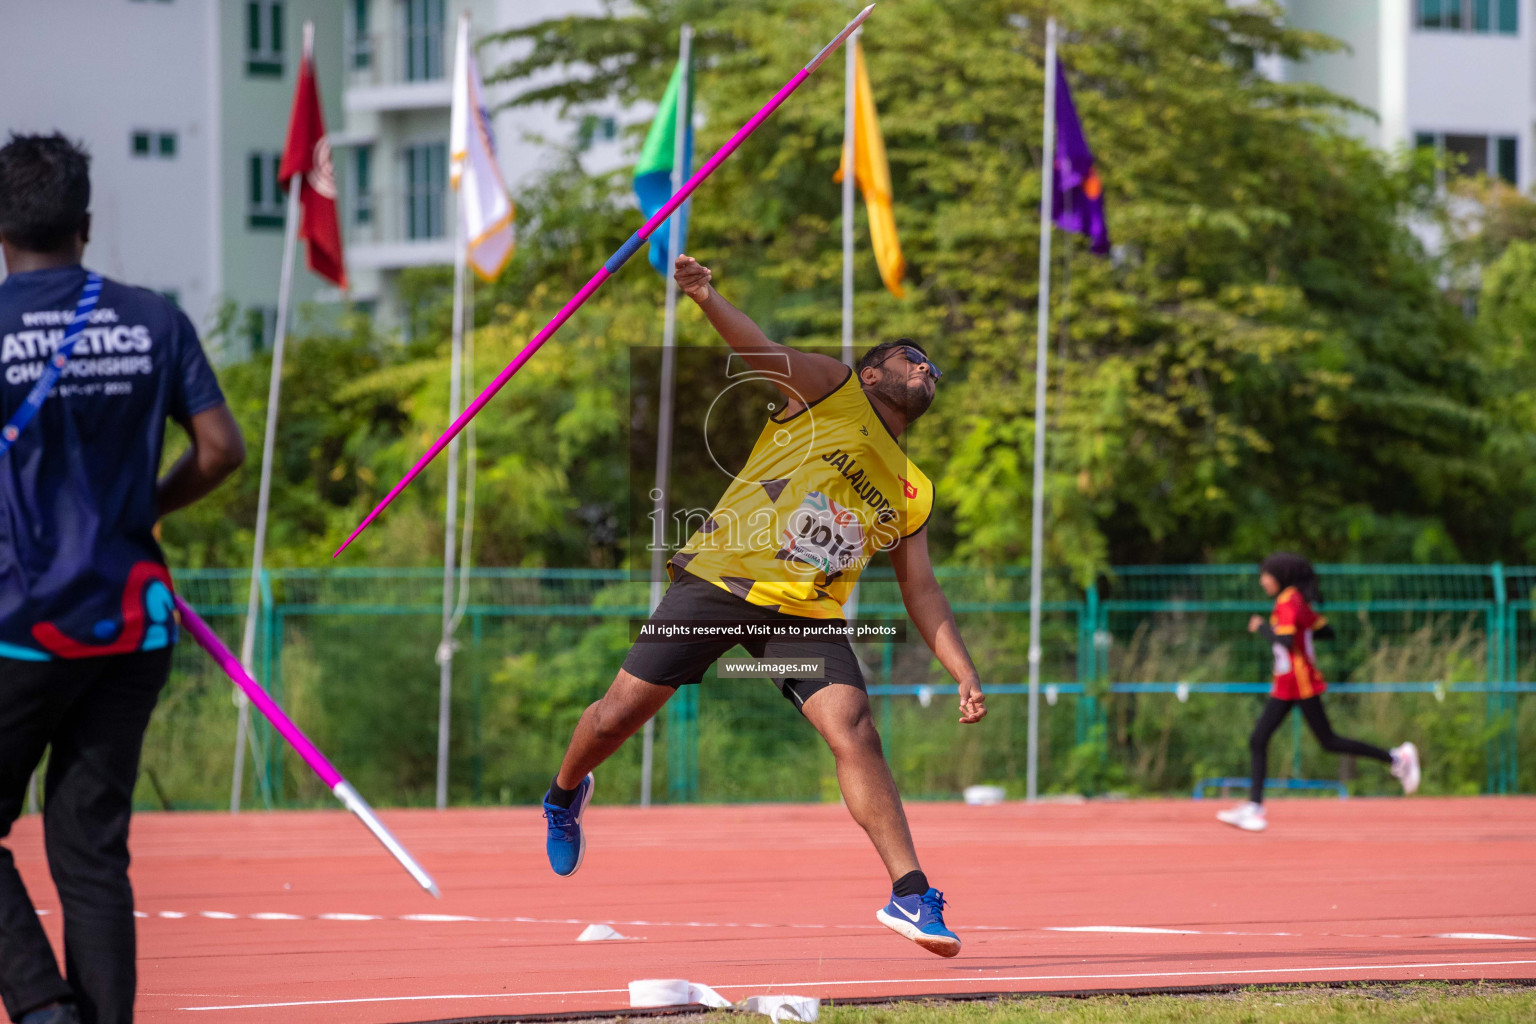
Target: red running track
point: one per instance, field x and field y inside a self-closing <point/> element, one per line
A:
<point x="301" y="917"/>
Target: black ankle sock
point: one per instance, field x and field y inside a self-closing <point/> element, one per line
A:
<point x="561" y="797"/>
<point x="913" y="883"/>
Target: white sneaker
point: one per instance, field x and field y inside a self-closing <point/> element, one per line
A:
<point x="1247" y="816"/>
<point x="1405" y="766"/>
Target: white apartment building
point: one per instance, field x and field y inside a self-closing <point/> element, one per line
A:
<point x="1457" y="75"/>
<point x="183" y="105"/>
<point x="392" y="149"/>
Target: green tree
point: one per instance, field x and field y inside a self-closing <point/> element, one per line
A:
<point x="1267" y="360"/>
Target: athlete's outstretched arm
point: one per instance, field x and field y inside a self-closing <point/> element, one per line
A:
<point x="812" y="376"/>
<point x="930" y="612"/>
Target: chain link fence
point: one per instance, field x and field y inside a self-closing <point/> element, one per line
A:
<point x="1150" y="682"/>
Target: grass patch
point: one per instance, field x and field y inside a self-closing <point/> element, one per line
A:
<point x="1409" y="1003"/>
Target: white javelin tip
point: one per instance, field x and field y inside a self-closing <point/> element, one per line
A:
<point x="826" y="51"/>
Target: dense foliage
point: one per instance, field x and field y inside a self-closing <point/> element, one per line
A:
<point x="1270" y="358"/>
<point x="1266" y="360"/>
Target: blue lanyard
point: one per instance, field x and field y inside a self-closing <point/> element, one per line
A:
<point x="56" y="363"/>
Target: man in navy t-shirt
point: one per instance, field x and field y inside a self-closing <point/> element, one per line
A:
<point x="86" y="616"/>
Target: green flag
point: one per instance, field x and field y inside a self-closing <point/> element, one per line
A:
<point x="653" y="172"/>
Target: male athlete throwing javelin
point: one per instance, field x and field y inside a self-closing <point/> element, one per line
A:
<point x="826" y="486"/>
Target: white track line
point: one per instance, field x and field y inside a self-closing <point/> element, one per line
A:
<point x="1123" y="929"/>
<point x="1107" y="929"/>
<point x="945" y="982"/>
<point x="410" y="999"/>
<point x="1127" y="929"/>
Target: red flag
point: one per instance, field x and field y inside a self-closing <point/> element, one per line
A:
<point x="307" y="153"/>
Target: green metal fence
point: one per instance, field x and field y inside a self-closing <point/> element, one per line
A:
<point x="1150" y="681"/>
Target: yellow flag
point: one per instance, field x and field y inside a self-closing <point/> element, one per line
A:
<point x="873" y="176"/>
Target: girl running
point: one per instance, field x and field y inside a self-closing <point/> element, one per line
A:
<point x="1290" y="630"/>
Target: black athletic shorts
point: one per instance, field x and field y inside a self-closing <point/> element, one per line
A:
<point x="681" y="661"/>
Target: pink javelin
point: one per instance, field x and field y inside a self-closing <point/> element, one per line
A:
<point x="321" y="765"/>
<point x="607" y="270"/>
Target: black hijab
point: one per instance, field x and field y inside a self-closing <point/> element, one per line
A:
<point x="1293" y="571"/>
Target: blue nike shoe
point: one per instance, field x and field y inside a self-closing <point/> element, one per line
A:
<point x="921" y="919"/>
<point x="566" y="844"/>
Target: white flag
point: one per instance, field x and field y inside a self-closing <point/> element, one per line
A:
<point x="484" y="205"/>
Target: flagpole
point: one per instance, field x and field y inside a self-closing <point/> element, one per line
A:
<point x="450" y="520"/>
<point x="850" y="130"/>
<point x="451" y="514"/>
<point x="848" y="177"/>
<point x="268" y="446"/>
<point x="668" y="384"/>
<point x="1037" y="513"/>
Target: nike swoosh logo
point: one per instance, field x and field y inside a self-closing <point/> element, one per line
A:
<point x="910" y="917"/>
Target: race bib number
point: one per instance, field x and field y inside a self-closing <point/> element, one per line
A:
<point x="823" y="534"/>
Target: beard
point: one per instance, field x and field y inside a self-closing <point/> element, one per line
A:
<point x="912" y="398"/>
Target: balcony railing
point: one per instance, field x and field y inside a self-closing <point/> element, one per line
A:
<point x="401" y="57"/>
<point x="398" y="227"/>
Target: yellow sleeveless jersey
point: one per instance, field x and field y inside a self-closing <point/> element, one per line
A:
<point x="821" y="493"/>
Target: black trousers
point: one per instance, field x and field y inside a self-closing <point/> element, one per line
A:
<point x="92" y="713"/>
<point x="1270" y="718"/>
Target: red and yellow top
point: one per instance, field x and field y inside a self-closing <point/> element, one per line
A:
<point x="1296" y="674"/>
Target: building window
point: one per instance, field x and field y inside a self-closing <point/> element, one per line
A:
<point x="1479" y="16"/>
<point x="260" y="328"/>
<point x="153" y="144"/>
<point x="595" y="129"/>
<point x="423" y="40"/>
<point x="264" y="38"/>
<point x="1505" y="159"/>
<point x="1509" y="17"/>
<point x="1496" y="156"/>
<point x="362" y="185"/>
<point x="361" y="37"/>
<point x="1470" y="153"/>
<point x="426" y="174"/>
<point x="264" y="197"/>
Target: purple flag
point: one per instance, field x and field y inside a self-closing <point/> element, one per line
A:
<point x="1078" y="200"/>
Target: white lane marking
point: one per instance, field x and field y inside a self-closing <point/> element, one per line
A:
<point x="1106" y="929"/>
<point x="410" y="999"/>
<point x="1139" y="930"/>
<point x="436" y="917"/>
<point x="830" y="983"/>
<point x="348" y="917"/>
<point x="1124" y="929"/>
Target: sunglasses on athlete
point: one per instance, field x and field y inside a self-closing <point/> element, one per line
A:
<point x="917" y="358"/>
